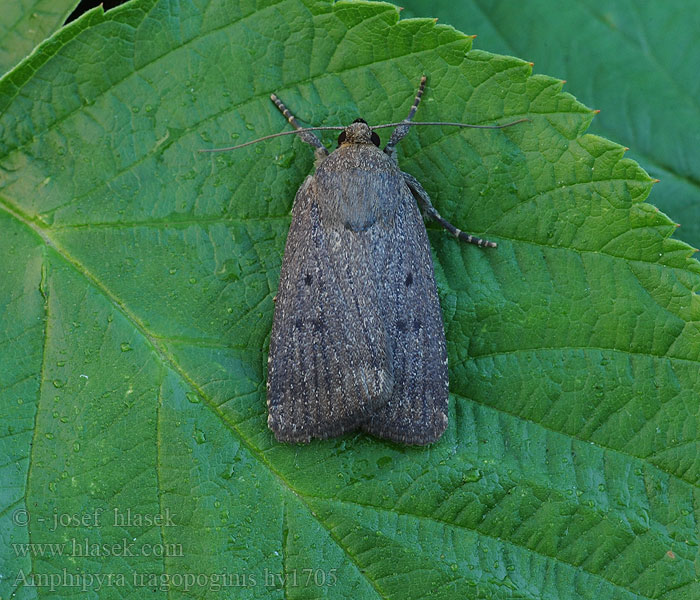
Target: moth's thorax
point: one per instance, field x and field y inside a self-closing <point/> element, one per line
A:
<point x="357" y="156"/>
<point x="358" y="186"/>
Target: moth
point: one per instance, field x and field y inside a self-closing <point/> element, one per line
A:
<point x="357" y="340"/>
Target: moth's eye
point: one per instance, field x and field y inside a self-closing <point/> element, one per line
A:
<point x="375" y="139"/>
<point x="360" y="121"/>
<point x="341" y="138"/>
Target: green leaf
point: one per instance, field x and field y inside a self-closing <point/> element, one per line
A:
<point x="26" y="23"/>
<point x="635" y="61"/>
<point x="137" y="291"/>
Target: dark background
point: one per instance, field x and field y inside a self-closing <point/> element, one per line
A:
<point x="86" y="5"/>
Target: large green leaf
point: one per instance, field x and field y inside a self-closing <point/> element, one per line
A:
<point x="636" y="61"/>
<point x="137" y="285"/>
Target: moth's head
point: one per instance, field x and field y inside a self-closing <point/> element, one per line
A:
<point x="358" y="132"/>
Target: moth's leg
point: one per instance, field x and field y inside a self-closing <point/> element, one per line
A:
<point x="424" y="200"/>
<point x="400" y="132"/>
<point x="307" y="136"/>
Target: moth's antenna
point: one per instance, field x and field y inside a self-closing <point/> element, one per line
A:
<point x="414" y="123"/>
<point x="330" y="128"/>
<point x="269" y="137"/>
